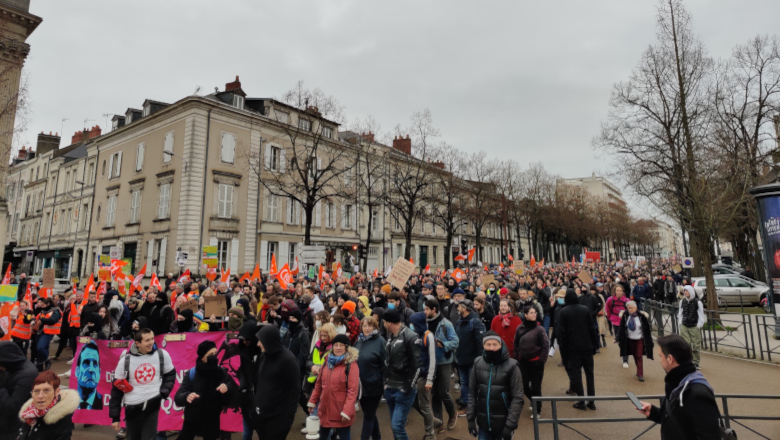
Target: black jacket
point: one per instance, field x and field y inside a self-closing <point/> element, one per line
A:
<point x="486" y="317"/>
<point x="470" y="331"/>
<point x="277" y="381"/>
<point x="16" y="383"/>
<point x="57" y="424"/>
<point x="159" y="314"/>
<point x="372" y="361"/>
<point x="403" y="360"/>
<point x="249" y="353"/>
<point x="531" y="344"/>
<point x="202" y="415"/>
<point x="575" y="327"/>
<point x="495" y="394"/>
<point x="689" y="410"/>
<point x="646" y="334"/>
<point x="298" y="342"/>
<point x="591" y="302"/>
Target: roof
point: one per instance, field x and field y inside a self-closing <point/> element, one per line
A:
<point x="153" y="102"/>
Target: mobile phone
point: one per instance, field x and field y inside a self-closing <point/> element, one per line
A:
<point x="634" y="400"/>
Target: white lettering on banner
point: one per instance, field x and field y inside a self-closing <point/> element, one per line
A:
<point x="772" y="226"/>
<point x="167" y="404"/>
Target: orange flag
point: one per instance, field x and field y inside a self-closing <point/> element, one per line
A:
<point x="274" y="270"/>
<point x="411" y="260"/>
<point x="458" y="275"/>
<point x="156" y="283"/>
<point x="541" y="263"/>
<point x="339" y="271"/>
<point x="501" y="265"/>
<point x="471" y="253"/>
<point x="285" y="276"/>
<point x="28" y="294"/>
<point x="256" y="273"/>
<point x="294" y="270"/>
<point x="376" y="273"/>
<point x="5" y="318"/>
<point x="427" y="268"/>
<point x="244" y="277"/>
<point x="321" y="273"/>
<point x="7" y="277"/>
<point x="533" y="261"/>
<point x="90" y="285"/>
<point x="211" y="274"/>
<point x="225" y="276"/>
<point x="510" y="257"/>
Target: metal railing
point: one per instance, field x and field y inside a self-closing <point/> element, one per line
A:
<point x="557" y="422"/>
<point x="735" y="330"/>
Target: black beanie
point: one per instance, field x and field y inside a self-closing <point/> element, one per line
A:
<point x="204" y="348"/>
<point x="344" y="339"/>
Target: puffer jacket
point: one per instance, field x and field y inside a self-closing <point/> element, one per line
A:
<point x="372" y="356"/>
<point x="531" y="345"/>
<point x="57" y="424"/>
<point x="495" y="394"/>
<point x="335" y="392"/>
<point x="470" y="331"/>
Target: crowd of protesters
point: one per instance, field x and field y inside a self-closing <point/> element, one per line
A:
<point x="329" y="347"/>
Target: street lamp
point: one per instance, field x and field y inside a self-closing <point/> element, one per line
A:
<point x="171" y="153"/>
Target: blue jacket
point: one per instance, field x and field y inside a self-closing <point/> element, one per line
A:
<point x="470" y="331"/>
<point x="445" y="333"/>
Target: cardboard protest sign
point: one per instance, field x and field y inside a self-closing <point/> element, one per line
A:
<point x="677" y="268"/>
<point x="48" y="278"/>
<point x="401" y="272"/>
<point x="215" y="305"/>
<point x="585" y="277"/>
<point x="519" y="267"/>
<point x="487" y="279"/>
<point x="190" y="305"/>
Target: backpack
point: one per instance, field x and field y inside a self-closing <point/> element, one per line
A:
<point x="725" y="432"/>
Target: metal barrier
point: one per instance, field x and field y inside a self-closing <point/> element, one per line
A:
<point x="740" y="330"/>
<point x="565" y="422"/>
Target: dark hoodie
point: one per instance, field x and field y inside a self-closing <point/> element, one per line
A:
<point x="96" y="330"/>
<point x="278" y="383"/>
<point x="575" y="327"/>
<point x="159" y="314"/>
<point x="185" y="326"/>
<point x="16" y="383"/>
<point x="249" y="353"/>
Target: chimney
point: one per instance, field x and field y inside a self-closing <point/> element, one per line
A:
<point x="438" y="164"/>
<point x="368" y="137"/>
<point x="77" y="136"/>
<point x="47" y="142"/>
<point x="94" y="132"/>
<point x="403" y="145"/>
<point x="22" y="154"/>
<point x="234" y="85"/>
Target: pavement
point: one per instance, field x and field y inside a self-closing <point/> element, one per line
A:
<point x="725" y="374"/>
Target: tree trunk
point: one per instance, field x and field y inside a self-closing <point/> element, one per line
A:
<point x="307" y="230"/>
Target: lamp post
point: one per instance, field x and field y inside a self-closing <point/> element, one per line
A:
<point x="171" y="153"/>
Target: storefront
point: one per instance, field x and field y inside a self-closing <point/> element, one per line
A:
<point x="61" y="260"/>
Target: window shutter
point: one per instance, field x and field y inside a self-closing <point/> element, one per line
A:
<point x="317" y="214"/>
<point x="110" y="166"/>
<point x="163" y="249"/>
<point x="267" y="203"/>
<point x="354" y="217"/>
<point x="139" y="157"/>
<point x="234" y="247"/>
<point x="282" y="159"/>
<point x="229" y="201"/>
<point x="149" y="252"/>
<point x="343" y="217"/>
<point x="283" y="254"/>
<point x="263" y="256"/>
<point x="289" y="217"/>
<point x="118" y="164"/>
<point x="228" y="147"/>
<point x="267" y="157"/>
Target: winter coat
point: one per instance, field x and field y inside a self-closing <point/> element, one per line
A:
<point x="57" y="424"/>
<point x="336" y="393"/>
<point x="533" y="345"/>
<point x="16" y="383"/>
<point x="470" y="331"/>
<point x="507" y="333"/>
<point x="575" y="327"/>
<point x="495" y="394"/>
<point x="646" y="334"/>
<point x="689" y="410"/>
<point x="372" y="361"/>
<point x="486" y="317"/>
<point x="613" y="308"/>
<point x="297" y="341"/>
<point x="249" y="354"/>
<point x="278" y="380"/>
<point x="444" y="331"/>
<point x="494" y="299"/>
<point x="403" y="360"/>
<point x="202" y="415"/>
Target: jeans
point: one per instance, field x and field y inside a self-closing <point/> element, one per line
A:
<point x="369" y="405"/>
<point x="141" y="422"/>
<point x="532" y="374"/>
<point x="441" y="392"/>
<point x="249" y="427"/>
<point x="486" y="435"/>
<point x="465" y="373"/>
<point x="578" y="361"/>
<point x="42" y="347"/>
<point x="399" y="404"/>
<point x="343" y="433"/>
<point x="546" y="325"/>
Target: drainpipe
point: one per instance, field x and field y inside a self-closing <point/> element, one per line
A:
<point x="203" y="203"/>
<point x="91" y="206"/>
<point x="257" y="220"/>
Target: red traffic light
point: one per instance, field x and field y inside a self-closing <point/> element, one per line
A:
<point x="354" y="247"/>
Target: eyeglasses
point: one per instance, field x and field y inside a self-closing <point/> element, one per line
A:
<point x="42" y="392"/>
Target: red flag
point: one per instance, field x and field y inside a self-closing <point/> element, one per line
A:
<point x="90" y="285"/>
<point x="7" y="277"/>
<point x="460" y="258"/>
<point x="101" y="290"/>
<point x="285" y="276"/>
<point x="471" y="253"/>
<point x="256" y="273"/>
<point x="458" y="275"/>
<point x="185" y="276"/>
<point x="294" y="270"/>
<point x="211" y="274"/>
<point x="338" y="270"/>
<point x="28" y="295"/>
<point x="116" y="266"/>
<point x="225" y="276"/>
<point x="244" y="277"/>
<point x="274" y="269"/>
<point x="427" y="268"/>
<point x="533" y="261"/>
<point x="156" y="283"/>
<point x="510" y="257"/>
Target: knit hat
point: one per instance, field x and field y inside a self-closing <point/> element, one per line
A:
<point x="349" y="306"/>
<point x="344" y="339"/>
<point x="457" y="291"/>
<point x="387" y="288"/>
<point x="491" y="335"/>
<point x="204" y="347"/>
<point x="238" y="311"/>
<point x="392" y="316"/>
<point x="504" y="291"/>
<point x="467" y="303"/>
<point x="197" y="317"/>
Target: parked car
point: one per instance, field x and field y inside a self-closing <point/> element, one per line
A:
<point x="733" y="290"/>
<point x="60" y="284"/>
<point x="724" y="269"/>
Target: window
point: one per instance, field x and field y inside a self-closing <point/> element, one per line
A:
<point x="114" y="165"/>
<point x="67" y="220"/>
<point x="238" y="101"/>
<point x="225" y="201"/>
<point x="135" y="206"/>
<point x="16" y="223"/>
<point x="330" y="216"/>
<point x="273" y="157"/>
<point x="434" y="256"/>
<point x="91" y="177"/>
<point x="168" y="147"/>
<point x="147" y="110"/>
<point x="373" y="251"/>
<point x="228" y="147"/>
<point x="223" y="255"/>
<point x="374" y="220"/>
<point x="84" y="211"/>
<point x="397" y="223"/>
<point x="291" y="255"/>
<point x="347" y="216"/>
<point x="97" y="215"/>
<point x="327" y="132"/>
<point x="271" y="207"/>
<point x="304" y="124"/>
<point x="111" y="211"/>
<point x="736" y="282"/>
<point x="139" y="156"/>
<point x="103" y="170"/>
<point x="282" y="117"/>
<point x="293" y="211"/>
<point x="165" y="200"/>
<point x="62" y="221"/>
<point x="272" y="246"/>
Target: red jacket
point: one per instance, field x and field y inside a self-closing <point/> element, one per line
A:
<point x="353" y="329"/>
<point x="507" y="333"/>
<point x="336" y="397"/>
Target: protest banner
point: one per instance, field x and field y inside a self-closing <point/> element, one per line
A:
<point x="677" y="268"/>
<point x="93" y="380"/>
<point x="487" y="279"/>
<point x="215" y="305"/>
<point x="585" y="277"/>
<point x="519" y="267"/>
<point x="401" y="272"/>
<point x="48" y="278"/>
<point x="8" y="292"/>
<point x="191" y="305"/>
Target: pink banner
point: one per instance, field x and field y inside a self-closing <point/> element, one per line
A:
<point x="91" y="369"/>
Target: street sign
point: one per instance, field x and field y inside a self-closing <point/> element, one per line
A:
<point x="687" y="262"/>
<point x="113" y="252"/>
<point x="312" y="254"/>
<point x="181" y="258"/>
<point x="30" y="255"/>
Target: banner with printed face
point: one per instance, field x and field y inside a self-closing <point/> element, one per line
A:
<point x="92" y="375"/>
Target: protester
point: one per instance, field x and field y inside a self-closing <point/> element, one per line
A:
<point x="17" y="376"/>
<point x="351" y="322"/>
<point x="576" y="332"/>
<point x="336" y="390"/>
<point x="470" y="331"/>
<point x="496" y="391"/>
<point x="48" y="415"/>
<point x="691" y="320"/>
<point x="372" y="359"/>
<point x="403" y="365"/>
<point x="446" y="345"/>
<point x="248" y="352"/>
<point x="689" y="409"/>
<point x="203" y="393"/>
<point x="49" y="320"/>
<point x="531" y="350"/>
<point x="22" y="329"/>
<point x="427" y="346"/>
<point x="635" y="337"/>
<point x="142" y="402"/>
<point x="485" y="315"/>
<point x="277" y="387"/>
<point x="615" y="306"/>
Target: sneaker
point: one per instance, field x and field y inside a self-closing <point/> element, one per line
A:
<point x="451" y="423"/>
<point x="592" y="405"/>
<point x="697" y="366"/>
<point x="382" y="399"/>
<point x="462" y="413"/>
<point x="438" y="425"/>
<point x="641" y="379"/>
<point x="429" y="437"/>
<point x="580" y="406"/>
<point x="70" y="362"/>
<point x="357" y="407"/>
<point x="121" y="434"/>
<point x="457" y="387"/>
<point x="625" y="364"/>
<point x="65" y="374"/>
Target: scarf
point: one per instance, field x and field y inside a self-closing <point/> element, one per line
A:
<point x="235" y="324"/>
<point x="333" y="360"/>
<point x="631" y="323"/>
<point x="32" y="414"/>
<point x="506" y="319"/>
<point x="363" y="336"/>
<point x="530" y="325"/>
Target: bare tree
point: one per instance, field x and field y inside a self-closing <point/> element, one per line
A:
<point x="481" y="175"/>
<point x="447" y="191"/>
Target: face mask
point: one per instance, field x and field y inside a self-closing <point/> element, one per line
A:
<point x="492" y="357"/>
<point x="391" y="306"/>
<point x="318" y="325"/>
<point x="212" y="360"/>
<point x="560" y="300"/>
<point x="411" y="326"/>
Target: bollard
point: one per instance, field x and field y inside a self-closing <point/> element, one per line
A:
<point x="312" y="428"/>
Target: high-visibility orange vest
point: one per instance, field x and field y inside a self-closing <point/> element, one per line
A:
<point x="53" y="329"/>
<point x="75" y="314"/>
<point x="21" y="330"/>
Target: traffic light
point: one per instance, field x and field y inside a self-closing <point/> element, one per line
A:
<point x="464" y="246"/>
<point x="361" y="252"/>
<point x="354" y="247"/>
<point x="521" y="254"/>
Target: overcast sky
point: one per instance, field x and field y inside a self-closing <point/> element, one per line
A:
<point x="523" y="80"/>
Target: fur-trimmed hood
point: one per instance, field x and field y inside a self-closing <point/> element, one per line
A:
<point x="69" y="402"/>
<point x="642" y="312"/>
<point x="350" y="356"/>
